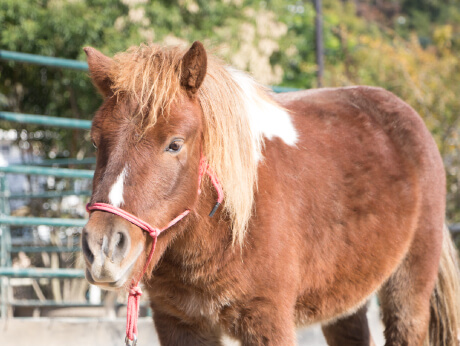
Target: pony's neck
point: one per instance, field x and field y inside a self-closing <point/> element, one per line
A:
<point x="206" y="240"/>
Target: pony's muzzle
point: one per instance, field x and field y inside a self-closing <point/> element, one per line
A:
<point x="105" y="252"/>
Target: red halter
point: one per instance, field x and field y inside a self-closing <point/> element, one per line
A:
<point x="135" y="291"/>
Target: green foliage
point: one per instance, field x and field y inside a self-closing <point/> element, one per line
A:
<point x="411" y="47"/>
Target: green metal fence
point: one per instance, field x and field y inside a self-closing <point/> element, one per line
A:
<point x="43" y="168"/>
<point x="45" y="120"/>
<point x="6" y="220"/>
<point x="43" y="60"/>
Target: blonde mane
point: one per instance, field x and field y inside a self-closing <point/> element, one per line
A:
<point x="151" y="73"/>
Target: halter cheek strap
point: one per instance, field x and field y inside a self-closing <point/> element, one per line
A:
<point x="135" y="291"/>
<point x="205" y="169"/>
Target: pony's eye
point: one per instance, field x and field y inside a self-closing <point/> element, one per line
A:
<point x="175" y="146"/>
<point x="94" y="145"/>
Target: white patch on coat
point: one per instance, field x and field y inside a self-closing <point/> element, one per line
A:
<point x="116" y="191"/>
<point x="266" y="118"/>
<point x="198" y="305"/>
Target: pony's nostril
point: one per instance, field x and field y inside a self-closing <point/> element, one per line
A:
<point x="85" y="247"/>
<point x="121" y="242"/>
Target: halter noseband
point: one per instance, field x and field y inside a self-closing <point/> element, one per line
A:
<point x="135" y="291"/>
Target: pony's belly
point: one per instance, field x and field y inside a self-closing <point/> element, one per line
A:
<point x="340" y="288"/>
<point x="310" y="311"/>
<point x="347" y="264"/>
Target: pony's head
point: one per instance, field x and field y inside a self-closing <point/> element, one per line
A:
<point x="148" y="135"/>
<point x="163" y="108"/>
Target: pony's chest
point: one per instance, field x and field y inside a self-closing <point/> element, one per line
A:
<point x="187" y="301"/>
<point x="197" y="305"/>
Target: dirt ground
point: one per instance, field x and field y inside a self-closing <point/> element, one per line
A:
<point x="108" y="332"/>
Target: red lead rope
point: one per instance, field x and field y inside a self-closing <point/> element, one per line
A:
<point x="135" y="291"/>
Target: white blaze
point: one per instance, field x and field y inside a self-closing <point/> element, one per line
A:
<point x="266" y="118"/>
<point x="116" y="192"/>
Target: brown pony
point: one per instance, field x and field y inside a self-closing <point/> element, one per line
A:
<point x="330" y="195"/>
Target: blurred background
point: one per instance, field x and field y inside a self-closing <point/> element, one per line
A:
<point x="410" y="47"/>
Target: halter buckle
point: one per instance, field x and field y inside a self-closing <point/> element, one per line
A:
<point x="129" y="342"/>
<point x="213" y="211"/>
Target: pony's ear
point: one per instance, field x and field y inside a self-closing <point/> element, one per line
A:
<point x="194" y="65"/>
<point x="99" y="68"/>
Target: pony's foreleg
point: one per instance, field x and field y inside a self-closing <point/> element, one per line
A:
<point x="261" y="322"/>
<point x="352" y="330"/>
<point x="172" y="331"/>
